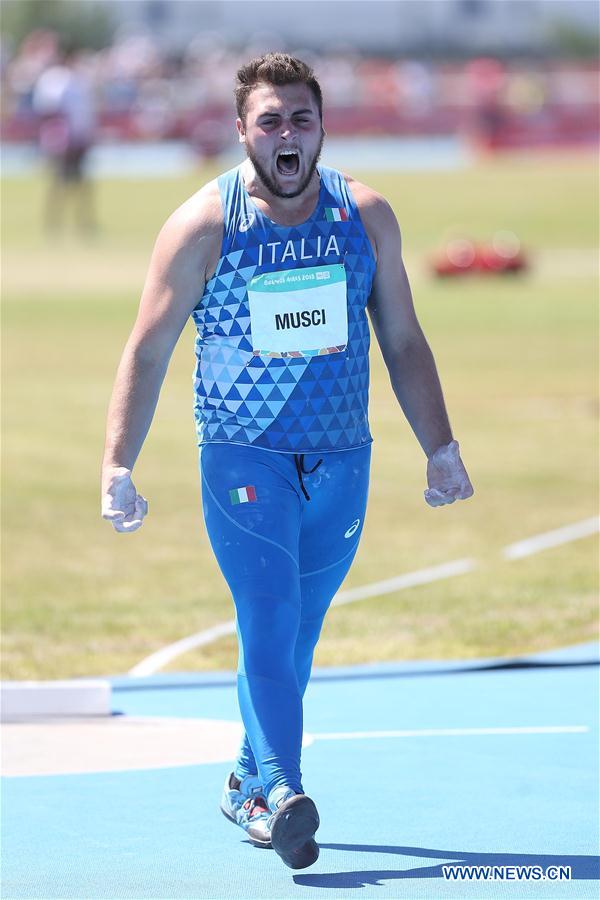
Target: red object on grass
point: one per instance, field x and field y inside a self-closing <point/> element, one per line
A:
<point x="463" y="257"/>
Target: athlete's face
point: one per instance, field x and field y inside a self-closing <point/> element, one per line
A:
<point x="283" y="136"/>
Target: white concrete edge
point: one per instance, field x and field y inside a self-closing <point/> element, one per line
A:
<point x="34" y="699"/>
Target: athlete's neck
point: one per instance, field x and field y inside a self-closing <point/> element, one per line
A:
<point x="283" y="210"/>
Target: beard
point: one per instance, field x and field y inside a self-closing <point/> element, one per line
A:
<point x="272" y="185"/>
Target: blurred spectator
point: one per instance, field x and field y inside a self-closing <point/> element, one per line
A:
<point x="64" y="102"/>
<point x="416" y="88"/>
<point x="38" y="51"/>
<point x="486" y="79"/>
<point x="146" y="91"/>
<point x="525" y="92"/>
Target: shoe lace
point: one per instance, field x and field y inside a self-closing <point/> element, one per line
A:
<point x="256" y="806"/>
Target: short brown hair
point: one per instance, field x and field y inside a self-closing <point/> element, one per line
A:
<point x="274" y="68"/>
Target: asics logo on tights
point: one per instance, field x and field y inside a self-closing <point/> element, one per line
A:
<point x="353" y="529"/>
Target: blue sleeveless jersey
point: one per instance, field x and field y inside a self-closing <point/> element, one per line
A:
<point x="283" y="338"/>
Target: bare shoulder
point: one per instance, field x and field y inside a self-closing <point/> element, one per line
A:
<point x="193" y="233"/>
<point x="199" y="217"/>
<point x="378" y="216"/>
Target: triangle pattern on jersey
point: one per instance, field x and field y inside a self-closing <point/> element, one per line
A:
<point x="286" y="403"/>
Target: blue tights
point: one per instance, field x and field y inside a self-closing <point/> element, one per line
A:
<point x="284" y="557"/>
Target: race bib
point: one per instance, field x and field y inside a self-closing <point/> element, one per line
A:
<point x="299" y="312"/>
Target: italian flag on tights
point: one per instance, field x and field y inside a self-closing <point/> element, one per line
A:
<point x="243" y="495"/>
<point x="336" y="215"/>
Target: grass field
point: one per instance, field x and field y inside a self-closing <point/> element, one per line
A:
<point x="517" y="359"/>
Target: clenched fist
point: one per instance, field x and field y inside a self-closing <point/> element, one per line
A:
<point x="447" y="477"/>
<point x="121" y="504"/>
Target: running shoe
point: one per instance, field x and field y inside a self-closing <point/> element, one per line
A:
<point x="293" y="826"/>
<point x="244" y="804"/>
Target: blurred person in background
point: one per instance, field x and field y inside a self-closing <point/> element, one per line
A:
<point x="64" y="101"/>
<point x="37" y="52"/>
<point x="287" y="257"/>
<point x="485" y="82"/>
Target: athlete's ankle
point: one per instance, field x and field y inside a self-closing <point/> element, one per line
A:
<point x="279" y="794"/>
<point x="240" y="774"/>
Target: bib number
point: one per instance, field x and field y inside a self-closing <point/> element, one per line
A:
<point x="299" y="312"/>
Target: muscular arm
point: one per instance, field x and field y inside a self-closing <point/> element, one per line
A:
<point x="185" y="252"/>
<point x="407" y="355"/>
<point x="405" y="350"/>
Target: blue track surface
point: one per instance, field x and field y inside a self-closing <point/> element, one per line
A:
<point x="393" y="809"/>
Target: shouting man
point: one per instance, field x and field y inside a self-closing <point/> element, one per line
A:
<point x="278" y="261"/>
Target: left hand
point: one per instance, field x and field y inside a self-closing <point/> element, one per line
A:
<point x="447" y="477"/>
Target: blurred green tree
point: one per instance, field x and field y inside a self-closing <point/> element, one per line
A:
<point x="574" y="42"/>
<point x="79" y="24"/>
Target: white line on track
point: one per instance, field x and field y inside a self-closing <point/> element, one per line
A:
<point x="158" y="660"/>
<point x="411" y="579"/>
<point x="552" y="538"/>
<point x="535" y="544"/>
<point x="450" y="732"/>
<point x="422" y="576"/>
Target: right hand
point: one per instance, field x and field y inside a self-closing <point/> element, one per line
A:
<point x="121" y="504"/>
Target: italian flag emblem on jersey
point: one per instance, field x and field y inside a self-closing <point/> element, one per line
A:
<point x="336" y="215"/>
<point x="243" y="495"/>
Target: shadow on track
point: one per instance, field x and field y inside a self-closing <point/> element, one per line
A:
<point x="582" y="867"/>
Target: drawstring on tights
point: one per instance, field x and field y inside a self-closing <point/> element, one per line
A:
<point x="299" y="460"/>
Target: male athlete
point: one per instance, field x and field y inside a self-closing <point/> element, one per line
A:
<point x="278" y="261"/>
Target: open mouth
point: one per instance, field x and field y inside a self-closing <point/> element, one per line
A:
<point x="288" y="162"/>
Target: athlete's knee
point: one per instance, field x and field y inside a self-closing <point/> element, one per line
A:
<point x="268" y="626"/>
<point x="317" y="594"/>
<point x="310" y="628"/>
<point x="308" y="636"/>
<point x="261" y="611"/>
